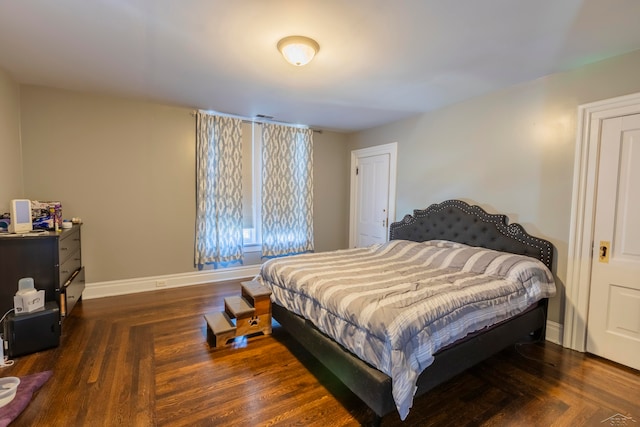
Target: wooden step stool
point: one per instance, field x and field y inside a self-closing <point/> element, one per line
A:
<point x="244" y="315"/>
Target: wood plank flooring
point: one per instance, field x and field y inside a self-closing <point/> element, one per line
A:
<point x="143" y="360"/>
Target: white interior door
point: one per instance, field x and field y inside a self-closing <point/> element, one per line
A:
<point x="373" y="194"/>
<point x="613" y="325"/>
<point x="372" y="208"/>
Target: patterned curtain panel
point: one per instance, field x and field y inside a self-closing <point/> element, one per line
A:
<point x="287" y="190"/>
<point x="219" y="190"/>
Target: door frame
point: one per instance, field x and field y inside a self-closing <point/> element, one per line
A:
<point x="392" y="150"/>
<point x="585" y="174"/>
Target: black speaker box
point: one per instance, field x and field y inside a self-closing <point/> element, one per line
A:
<point x="31" y="332"/>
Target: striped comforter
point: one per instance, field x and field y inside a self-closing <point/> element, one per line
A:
<point x="396" y="304"/>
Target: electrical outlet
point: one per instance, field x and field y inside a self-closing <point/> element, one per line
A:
<point x="161" y="283"/>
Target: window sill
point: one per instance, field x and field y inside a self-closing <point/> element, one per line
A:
<point x="252" y="248"/>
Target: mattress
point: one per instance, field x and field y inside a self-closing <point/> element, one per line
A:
<point x="396" y="304"/>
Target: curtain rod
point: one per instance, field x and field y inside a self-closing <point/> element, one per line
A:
<point x="254" y="120"/>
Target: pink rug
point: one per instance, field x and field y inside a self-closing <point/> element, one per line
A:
<point x="29" y="384"/>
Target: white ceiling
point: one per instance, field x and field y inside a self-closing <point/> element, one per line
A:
<point x="379" y="60"/>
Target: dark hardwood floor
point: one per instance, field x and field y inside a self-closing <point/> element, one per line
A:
<point x="143" y="360"/>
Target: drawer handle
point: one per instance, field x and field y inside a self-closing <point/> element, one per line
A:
<point x="64" y="249"/>
<point x="65" y="271"/>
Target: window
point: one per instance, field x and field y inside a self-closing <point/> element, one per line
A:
<point x="251" y="186"/>
<point x="233" y="160"/>
<point x="289" y="178"/>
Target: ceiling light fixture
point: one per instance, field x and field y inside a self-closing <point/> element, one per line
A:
<point x="298" y="50"/>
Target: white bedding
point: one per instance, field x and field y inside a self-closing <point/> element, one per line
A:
<point x="394" y="305"/>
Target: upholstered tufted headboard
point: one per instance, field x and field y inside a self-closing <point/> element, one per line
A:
<point x="457" y="221"/>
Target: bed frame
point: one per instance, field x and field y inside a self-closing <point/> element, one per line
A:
<point x="456" y="221"/>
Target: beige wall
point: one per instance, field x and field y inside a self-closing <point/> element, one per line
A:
<point x="127" y="168"/>
<point x="510" y="152"/>
<point x="10" y="157"/>
<point x="331" y="159"/>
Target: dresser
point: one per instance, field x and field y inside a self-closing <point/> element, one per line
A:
<point x="52" y="259"/>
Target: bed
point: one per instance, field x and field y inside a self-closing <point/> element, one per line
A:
<point x="392" y="321"/>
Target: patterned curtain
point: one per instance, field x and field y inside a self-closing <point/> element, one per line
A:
<point x="218" y="191"/>
<point x="287" y="190"/>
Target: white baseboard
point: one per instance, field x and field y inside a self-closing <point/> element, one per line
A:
<point x="147" y="284"/>
<point x="554" y="332"/>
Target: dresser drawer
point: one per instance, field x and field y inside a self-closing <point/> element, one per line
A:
<point x="69" y="267"/>
<point x="71" y="293"/>
<point x="69" y="245"/>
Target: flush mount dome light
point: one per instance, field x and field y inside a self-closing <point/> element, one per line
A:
<point x="298" y="50"/>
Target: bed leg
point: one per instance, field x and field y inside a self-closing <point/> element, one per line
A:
<point x="540" y="334"/>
